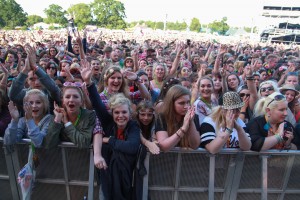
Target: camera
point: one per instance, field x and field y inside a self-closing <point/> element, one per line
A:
<point x="188" y="42"/>
<point x="71" y="25"/>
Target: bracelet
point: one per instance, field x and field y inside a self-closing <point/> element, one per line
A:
<point x="182" y="130"/>
<point x="278" y="137"/>
<point x="244" y="113"/>
<point x="228" y="130"/>
<point x="67" y="124"/>
<point x="178" y="135"/>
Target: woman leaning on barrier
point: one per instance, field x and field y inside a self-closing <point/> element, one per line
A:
<point x="223" y="128"/>
<point x="72" y="122"/>
<point x="176" y="124"/>
<point x="34" y="124"/>
<point x="269" y="129"/>
<point x="120" y="144"/>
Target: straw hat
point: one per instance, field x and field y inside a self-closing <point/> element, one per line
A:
<point x="288" y="87"/>
<point x="232" y="100"/>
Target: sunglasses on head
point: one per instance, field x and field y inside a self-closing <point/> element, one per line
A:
<point x="75" y="84"/>
<point x="267" y="89"/>
<point x="243" y="94"/>
<point x="278" y="97"/>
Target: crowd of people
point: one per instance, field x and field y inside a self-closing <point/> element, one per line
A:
<point x="126" y="97"/>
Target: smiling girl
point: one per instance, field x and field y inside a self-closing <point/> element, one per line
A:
<point x="34" y="124"/>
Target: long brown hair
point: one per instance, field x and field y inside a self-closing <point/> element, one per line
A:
<point x="169" y="113"/>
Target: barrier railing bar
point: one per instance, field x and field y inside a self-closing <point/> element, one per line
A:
<point x="66" y="173"/>
<point x="177" y="175"/>
<point x="287" y="173"/>
<point x="15" y="190"/>
<point x="91" y="176"/>
<point x="211" y="183"/>
<point x="229" y="178"/>
<point x="239" y="165"/>
<point x="181" y="189"/>
<point x="270" y="191"/>
<point x="264" y="180"/>
<point x="146" y="177"/>
<point x="4" y="177"/>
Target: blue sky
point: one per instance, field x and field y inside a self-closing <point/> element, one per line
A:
<point x="238" y="12"/>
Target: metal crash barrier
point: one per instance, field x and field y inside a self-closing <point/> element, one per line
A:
<point x="64" y="173"/>
<point x="68" y="173"/>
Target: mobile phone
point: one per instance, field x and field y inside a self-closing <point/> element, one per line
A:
<point x="188" y="42"/>
<point x="290" y="129"/>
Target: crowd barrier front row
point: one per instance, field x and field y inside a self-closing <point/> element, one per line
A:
<point x="68" y="173"/>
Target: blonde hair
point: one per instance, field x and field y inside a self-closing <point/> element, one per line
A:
<point x="218" y="117"/>
<point x="263" y="103"/>
<point x="118" y="100"/>
<point x="165" y="68"/>
<point x="273" y="83"/>
<point x="43" y="97"/>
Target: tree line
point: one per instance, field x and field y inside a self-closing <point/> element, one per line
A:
<point x="102" y="13"/>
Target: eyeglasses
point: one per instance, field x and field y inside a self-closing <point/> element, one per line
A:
<point x="278" y="97"/>
<point x="266" y="89"/>
<point x="243" y="94"/>
<point x="75" y="84"/>
<point x="51" y="67"/>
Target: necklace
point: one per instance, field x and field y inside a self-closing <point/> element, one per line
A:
<point x="158" y="84"/>
<point x="206" y="103"/>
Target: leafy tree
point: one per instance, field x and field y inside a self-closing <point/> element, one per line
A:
<point x="160" y="25"/>
<point x="81" y="14"/>
<point x="109" y="13"/>
<point x="195" y="25"/>
<point x="176" y="26"/>
<point x="11" y="14"/>
<point x="33" y="19"/>
<point x="55" y="14"/>
<point x="219" y="26"/>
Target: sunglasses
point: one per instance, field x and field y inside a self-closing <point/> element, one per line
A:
<point x="185" y="70"/>
<point x="267" y="89"/>
<point x="75" y="84"/>
<point x="278" y="97"/>
<point x="51" y="68"/>
<point x="129" y="61"/>
<point x="243" y="94"/>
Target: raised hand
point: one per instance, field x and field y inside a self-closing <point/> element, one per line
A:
<point x="28" y="110"/>
<point x="58" y="114"/>
<point x="31" y="56"/>
<point x="4" y="69"/>
<point x="130" y="75"/>
<point x="14" y="113"/>
<point x="86" y="71"/>
<point x="230" y="119"/>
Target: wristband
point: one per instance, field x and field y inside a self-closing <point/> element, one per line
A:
<point x="67" y="124"/>
<point x="228" y="130"/>
<point x="279" y="138"/>
<point x="244" y="113"/>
